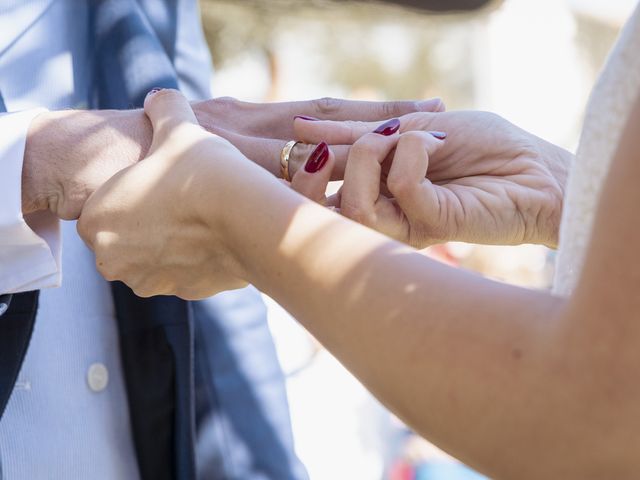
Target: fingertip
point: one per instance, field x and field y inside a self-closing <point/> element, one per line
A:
<point x="152" y="92"/>
<point x="318" y="158"/>
<point x="432" y="105"/>
<point x="167" y="110"/>
<point x="311" y="180"/>
<point x="416" y="140"/>
<point x="388" y="128"/>
<point x="151" y="95"/>
<point x="168" y="103"/>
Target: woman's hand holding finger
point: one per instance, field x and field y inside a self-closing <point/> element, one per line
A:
<point x="361" y="198"/>
<point x="495" y="183"/>
<point x="416" y="198"/>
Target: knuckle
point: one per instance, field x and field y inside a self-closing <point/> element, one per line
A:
<point x="327" y="105"/>
<point x="148" y="286"/>
<point x="366" y="147"/>
<point x="225" y="103"/>
<point x="358" y="213"/>
<point x="393" y="109"/>
<point x="399" y="186"/>
<point x="399" y="109"/>
<point x="143" y="291"/>
<point x="186" y="294"/>
<point x="413" y="139"/>
<point x="107" y="270"/>
<point x="491" y="118"/>
<point x="416" y="121"/>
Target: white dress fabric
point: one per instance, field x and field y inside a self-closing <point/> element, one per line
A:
<point x="609" y="108"/>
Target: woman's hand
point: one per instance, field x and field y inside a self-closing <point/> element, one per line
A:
<point x="156" y="225"/>
<point x="488" y="182"/>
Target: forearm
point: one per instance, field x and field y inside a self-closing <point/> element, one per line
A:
<point x="439" y="346"/>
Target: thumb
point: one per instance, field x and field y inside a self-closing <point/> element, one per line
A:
<point x="311" y="180"/>
<point x="167" y="110"/>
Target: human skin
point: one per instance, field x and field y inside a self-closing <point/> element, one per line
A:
<point x="488" y="182"/>
<point x="69" y="154"/>
<point x="515" y="382"/>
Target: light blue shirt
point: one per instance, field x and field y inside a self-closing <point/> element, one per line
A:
<point x="67" y="417"/>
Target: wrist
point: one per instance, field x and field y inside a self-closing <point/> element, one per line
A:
<point x="37" y="186"/>
<point x="234" y="210"/>
<point x="69" y="153"/>
<point x="217" y="206"/>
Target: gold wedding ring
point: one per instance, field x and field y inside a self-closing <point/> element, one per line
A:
<point x="284" y="159"/>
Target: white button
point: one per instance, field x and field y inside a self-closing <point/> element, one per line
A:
<point x="3" y="308"/>
<point x="98" y="377"/>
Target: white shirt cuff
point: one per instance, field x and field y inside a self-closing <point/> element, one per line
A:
<point x="30" y="247"/>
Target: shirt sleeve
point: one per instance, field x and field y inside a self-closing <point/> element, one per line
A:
<point x="29" y="246"/>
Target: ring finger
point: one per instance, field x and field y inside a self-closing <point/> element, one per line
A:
<point x="266" y="152"/>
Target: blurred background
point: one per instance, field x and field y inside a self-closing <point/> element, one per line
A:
<point x="533" y="62"/>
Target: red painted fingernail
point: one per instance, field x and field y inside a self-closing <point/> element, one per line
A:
<point x="388" y="128"/>
<point x="439" y="135"/>
<point x="318" y="158"/>
<point x="304" y="117"/>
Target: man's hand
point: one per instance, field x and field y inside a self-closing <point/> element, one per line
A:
<point x="488" y="182"/>
<point x="70" y="154"/>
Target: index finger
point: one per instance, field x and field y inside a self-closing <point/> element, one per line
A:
<point x="275" y="120"/>
<point x="361" y="188"/>
<point x="347" y="132"/>
<point x="338" y="109"/>
<point x="332" y="131"/>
